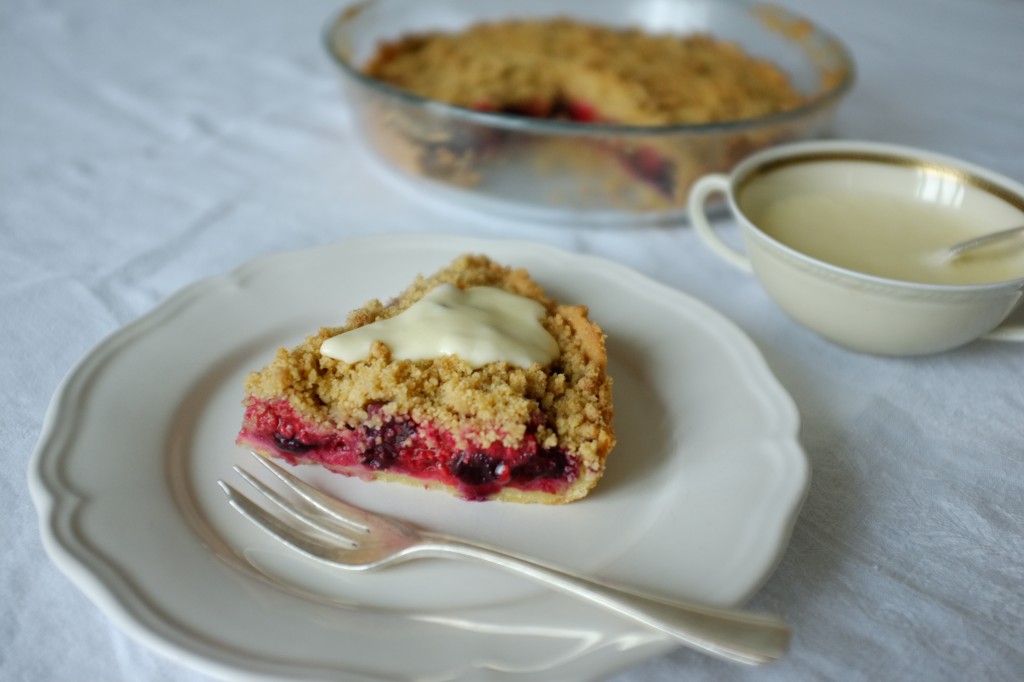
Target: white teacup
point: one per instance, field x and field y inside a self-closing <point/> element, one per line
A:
<point x="847" y="238"/>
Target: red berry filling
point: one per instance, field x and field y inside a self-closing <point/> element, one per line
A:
<point x="419" y="450"/>
<point x="645" y="163"/>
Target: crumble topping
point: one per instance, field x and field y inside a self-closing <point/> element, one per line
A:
<point x="569" y="403"/>
<point x="564" y="69"/>
<point x="540" y="67"/>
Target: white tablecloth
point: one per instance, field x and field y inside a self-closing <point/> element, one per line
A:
<point x="145" y="145"/>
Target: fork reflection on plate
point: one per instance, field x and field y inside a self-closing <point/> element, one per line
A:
<point x="348" y="537"/>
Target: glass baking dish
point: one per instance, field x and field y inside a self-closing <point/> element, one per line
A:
<point x="562" y="171"/>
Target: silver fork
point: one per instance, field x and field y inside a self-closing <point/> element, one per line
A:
<point x="352" y="538"/>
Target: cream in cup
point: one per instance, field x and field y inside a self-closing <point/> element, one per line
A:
<point x="847" y="238"/>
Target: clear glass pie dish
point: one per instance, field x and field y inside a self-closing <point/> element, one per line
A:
<point x="565" y="171"/>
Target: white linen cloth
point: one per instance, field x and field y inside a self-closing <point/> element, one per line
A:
<point x="145" y="145"/>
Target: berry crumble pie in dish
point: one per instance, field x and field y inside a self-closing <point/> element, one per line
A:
<point x="471" y="381"/>
<point x="599" y="114"/>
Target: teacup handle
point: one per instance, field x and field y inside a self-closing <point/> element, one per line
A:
<point x="701" y="190"/>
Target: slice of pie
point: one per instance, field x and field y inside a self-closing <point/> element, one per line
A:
<point x="471" y="381"/>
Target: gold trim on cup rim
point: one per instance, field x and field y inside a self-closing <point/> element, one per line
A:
<point x="932" y="167"/>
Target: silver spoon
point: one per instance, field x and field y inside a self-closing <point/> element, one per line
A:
<point x="957" y="250"/>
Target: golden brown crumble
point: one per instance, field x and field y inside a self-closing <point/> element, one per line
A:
<point x="631" y="76"/>
<point x="562" y="68"/>
<point x="494" y="402"/>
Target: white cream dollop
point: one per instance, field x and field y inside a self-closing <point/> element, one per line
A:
<point x="479" y="325"/>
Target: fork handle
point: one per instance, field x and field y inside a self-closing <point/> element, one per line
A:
<point x="730" y="634"/>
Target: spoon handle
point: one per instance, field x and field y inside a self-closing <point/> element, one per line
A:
<point x="958" y="250"/>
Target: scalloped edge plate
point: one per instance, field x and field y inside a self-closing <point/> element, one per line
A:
<point x="698" y="501"/>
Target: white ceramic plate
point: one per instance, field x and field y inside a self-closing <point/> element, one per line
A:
<point x="697" y="503"/>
